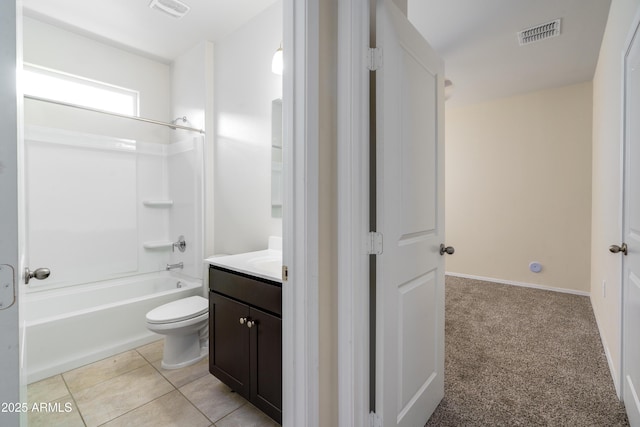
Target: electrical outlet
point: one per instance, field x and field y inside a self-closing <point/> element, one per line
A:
<point x="604" y="289"/>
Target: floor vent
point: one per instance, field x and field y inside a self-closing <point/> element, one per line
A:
<point x="539" y="32"/>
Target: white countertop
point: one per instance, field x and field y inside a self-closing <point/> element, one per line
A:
<point x="266" y="264"/>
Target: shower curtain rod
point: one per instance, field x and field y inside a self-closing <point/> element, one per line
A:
<point x="125" y="116"/>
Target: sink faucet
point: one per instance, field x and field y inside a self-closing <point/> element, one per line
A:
<point x="172" y="266"/>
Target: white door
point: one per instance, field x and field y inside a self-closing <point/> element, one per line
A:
<point x="410" y="215"/>
<point x="631" y="262"/>
<point x="9" y="276"/>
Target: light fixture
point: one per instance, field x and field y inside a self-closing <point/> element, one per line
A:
<point x="277" y="63"/>
<point x="174" y="8"/>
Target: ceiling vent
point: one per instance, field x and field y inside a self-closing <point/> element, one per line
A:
<point x="174" y="8"/>
<point x="539" y="32"/>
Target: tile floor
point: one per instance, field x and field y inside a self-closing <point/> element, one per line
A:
<point x="132" y="389"/>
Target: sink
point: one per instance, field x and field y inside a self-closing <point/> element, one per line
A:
<point x="266" y="263"/>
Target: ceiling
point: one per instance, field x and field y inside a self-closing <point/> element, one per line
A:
<point x="477" y="40"/>
<point x="132" y="25"/>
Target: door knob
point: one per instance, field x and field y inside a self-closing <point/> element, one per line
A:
<point x="615" y="249"/>
<point x="38" y="273"/>
<point x="446" y="249"/>
<point x="250" y="323"/>
<point x="243" y="320"/>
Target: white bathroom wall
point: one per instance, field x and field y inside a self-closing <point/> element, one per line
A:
<point x="86" y="219"/>
<point x="192" y="86"/>
<point x="244" y="89"/>
<point x="52" y="47"/>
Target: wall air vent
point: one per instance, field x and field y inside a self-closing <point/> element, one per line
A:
<point x="175" y="8"/>
<point x="539" y="32"/>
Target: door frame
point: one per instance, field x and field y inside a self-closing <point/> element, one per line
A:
<point x="300" y="225"/>
<point x="11" y="386"/>
<point x="300" y="327"/>
<point x="353" y="213"/>
<point x="634" y="29"/>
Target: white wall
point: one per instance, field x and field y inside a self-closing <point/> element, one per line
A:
<point x="518" y="187"/>
<point x="244" y="89"/>
<point x="606" y="226"/>
<point x="52" y="47"/>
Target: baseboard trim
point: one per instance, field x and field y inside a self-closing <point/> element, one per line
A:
<point x="521" y="284"/>
<point x="607" y="353"/>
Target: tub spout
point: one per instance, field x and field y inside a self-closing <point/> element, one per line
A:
<point x="172" y="266"/>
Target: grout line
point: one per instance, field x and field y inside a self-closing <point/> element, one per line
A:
<point x="189" y="400"/>
<point x="235" y="410"/>
<point x="101" y="360"/>
<point x="149" y="363"/>
<point x="195" y="406"/>
<point x="205" y="415"/>
<point x="74" y="399"/>
<point x="137" y="349"/>
<point x="109" y="379"/>
<point x="137" y="407"/>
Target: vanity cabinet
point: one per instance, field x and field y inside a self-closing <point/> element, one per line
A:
<point x="245" y="337"/>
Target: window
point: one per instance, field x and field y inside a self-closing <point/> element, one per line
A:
<point x="59" y="86"/>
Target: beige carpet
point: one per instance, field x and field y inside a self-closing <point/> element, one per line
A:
<point x="523" y="357"/>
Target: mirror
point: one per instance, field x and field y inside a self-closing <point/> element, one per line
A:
<point x="276" y="158"/>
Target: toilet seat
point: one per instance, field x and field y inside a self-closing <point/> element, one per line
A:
<point x="179" y="310"/>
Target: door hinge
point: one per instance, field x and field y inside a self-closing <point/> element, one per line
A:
<point x="374" y="58"/>
<point x="285" y="273"/>
<point x="375" y="243"/>
<point x="374" y="420"/>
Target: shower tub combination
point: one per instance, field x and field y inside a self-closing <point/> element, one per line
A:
<point x="106" y="237"/>
<point x="69" y="327"/>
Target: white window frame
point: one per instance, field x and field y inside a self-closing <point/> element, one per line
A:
<point x="87" y="82"/>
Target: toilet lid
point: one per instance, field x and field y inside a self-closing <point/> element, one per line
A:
<point x="178" y="310"/>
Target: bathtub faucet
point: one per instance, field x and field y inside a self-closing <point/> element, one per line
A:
<point x="172" y="266"/>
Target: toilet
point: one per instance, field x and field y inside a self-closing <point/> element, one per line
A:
<point x="184" y="323"/>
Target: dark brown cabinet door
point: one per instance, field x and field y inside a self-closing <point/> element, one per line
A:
<point x="266" y="363"/>
<point x="229" y="343"/>
<point x="247" y="355"/>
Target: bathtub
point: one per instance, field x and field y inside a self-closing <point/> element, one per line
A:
<point x="70" y="327"/>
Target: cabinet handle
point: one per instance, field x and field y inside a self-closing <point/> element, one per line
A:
<point x="242" y="320"/>
<point x="250" y="323"/>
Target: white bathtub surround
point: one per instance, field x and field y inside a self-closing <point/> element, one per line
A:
<point x="69" y="327"/>
<point x="71" y="223"/>
<point x="88" y="211"/>
<point x="185" y="166"/>
<point x="266" y="264"/>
